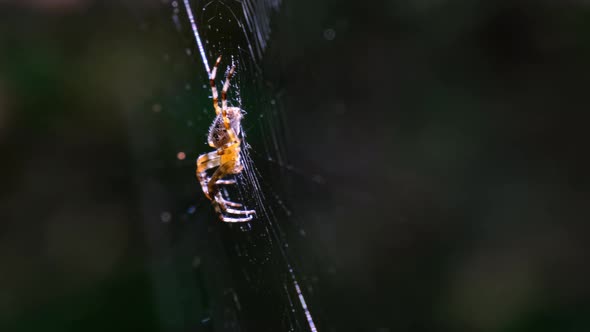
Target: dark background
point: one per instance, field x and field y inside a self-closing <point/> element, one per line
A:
<point x="431" y="171"/>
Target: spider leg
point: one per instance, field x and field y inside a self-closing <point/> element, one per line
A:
<point x="204" y="163"/>
<point x="230" y="219"/>
<point x="220" y="211"/>
<point x="221" y="204"/>
<point x="220" y="197"/>
<point x="225" y="88"/>
<point x="220" y="172"/>
<point x="213" y="87"/>
<point x="207" y="161"/>
<point x="225" y="182"/>
<point x="233" y="137"/>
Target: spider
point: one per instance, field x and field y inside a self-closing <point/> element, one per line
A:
<point x="223" y="136"/>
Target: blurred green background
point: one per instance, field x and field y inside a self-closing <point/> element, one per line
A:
<point x="429" y="171"/>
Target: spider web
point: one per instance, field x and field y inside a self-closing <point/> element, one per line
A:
<point x="260" y="257"/>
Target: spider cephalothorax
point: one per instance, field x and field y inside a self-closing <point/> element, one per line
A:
<point x="218" y="135"/>
<point x="223" y="136"/>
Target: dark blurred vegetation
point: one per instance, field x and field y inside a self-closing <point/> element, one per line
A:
<point x="443" y="147"/>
